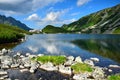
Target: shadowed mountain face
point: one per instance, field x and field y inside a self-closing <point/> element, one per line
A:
<point x="11" y="21"/>
<point x="107" y="48"/>
<point x="104" y="21"/>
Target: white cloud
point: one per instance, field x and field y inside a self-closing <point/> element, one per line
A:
<point x="11" y="1"/>
<point x="24" y="6"/>
<point x="51" y="18"/>
<point x="33" y="17"/>
<point x="82" y="2"/>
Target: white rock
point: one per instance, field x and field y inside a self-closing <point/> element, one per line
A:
<point x="32" y="69"/>
<point x="34" y="64"/>
<point x="32" y="56"/>
<point x="14" y="65"/>
<point x="89" y="62"/>
<point x="26" y="60"/>
<point x="40" y="54"/>
<point x="65" y="70"/>
<point x="114" y="66"/>
<point x="4" y="50"/>
<point x="110" y="70"/>
<point x="70" y="58"/>
<point x="22" y="56"/>
<point x="3" y="72"/>
<point x="24" y="70"/>
<point x="27" y="54"/>
<point x="3" y="77"/>
<point x="49" y="67"/>
<point x="1" y="53"/>
<point x="98" y="73"/>
<point x="95" y="59"/>
<point x="21" y="67"/>
<point x="18" y="54"/>
<point x="78" y="59"/>
<point x="4" y="66"/>
<point x="8" y="79"/>
<point x="27" y="65"/>
<point x="69" y="62"/>
<point x="82" y="76"/>
<point x="6" y="60"/>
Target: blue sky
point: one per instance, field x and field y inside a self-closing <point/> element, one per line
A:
<point x="39" y="13"/>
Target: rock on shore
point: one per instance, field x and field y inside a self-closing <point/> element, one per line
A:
<point x="25" y="63"/>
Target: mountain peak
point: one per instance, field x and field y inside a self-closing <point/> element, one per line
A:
<point x="12" y="21"/>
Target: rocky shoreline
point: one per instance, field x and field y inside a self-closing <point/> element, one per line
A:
<point x="18" y="64"/>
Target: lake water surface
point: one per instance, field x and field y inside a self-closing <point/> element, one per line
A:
<point x="104" y="47"/>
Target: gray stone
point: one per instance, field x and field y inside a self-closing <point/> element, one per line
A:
<point x="24" y="70"/>
<point x="69" y="62"/>
<point x="95" y="59"/>
<point x="114" y="66"/>
<point x="71" y="58"/>
<point x="27" y="54"/>
<point x="82" y="76"/>
<point x="49" y="67"/>
<point x="32" y="56"/>
<point x="6" y="60"/>
<point x="40" y="54"/>
<point x="4" y="66"/>
<point x="22" y="56"/>
<point x="21" y="67"/>
<point x="65" y="70"/>
<point x="27" y="65"/>
<point x="98" y="73"/>
<point x="3" y="72"/>
<point x="14" y="65"/>
<point x="4" y="51"/>
<point x="78" y="59"/>
<point x="110" y="70"/>
<point x="89" y="62"/>
<point x="18" y="54"/>
<point x="3" y="77"/>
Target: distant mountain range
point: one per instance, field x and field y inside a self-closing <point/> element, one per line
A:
<point x="13" y="22"/>
<point x="105" y="21"/>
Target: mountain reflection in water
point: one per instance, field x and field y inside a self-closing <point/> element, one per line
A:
<point x="109" y="48"/>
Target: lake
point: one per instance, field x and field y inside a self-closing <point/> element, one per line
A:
<point x="105" y="47"/>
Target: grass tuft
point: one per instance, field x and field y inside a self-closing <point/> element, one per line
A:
<point x="56" y="60"/>
<point x="81" y="67"/>
<point x="114" y="77"/>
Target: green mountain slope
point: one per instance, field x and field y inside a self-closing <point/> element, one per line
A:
<point x="10" y="33"/>
<point x="52" y="29"/>
<point x="104" y="21"/>
<point x="11" y="21"/>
